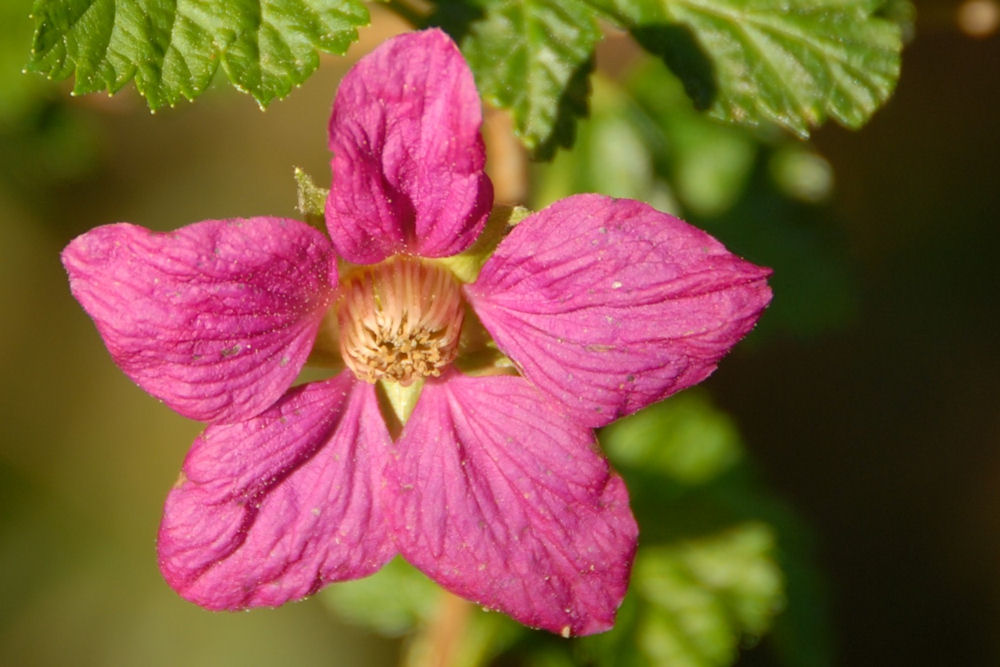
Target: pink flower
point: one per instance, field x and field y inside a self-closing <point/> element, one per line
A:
<point x="494" y="486"/>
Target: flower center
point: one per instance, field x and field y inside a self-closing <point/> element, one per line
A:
<point x="399" y="320"/>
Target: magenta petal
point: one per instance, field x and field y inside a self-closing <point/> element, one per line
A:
<point x="504" y="501"/>
<point x="273" y="508"/>
<point x="609" y="305"/>
<point x="407" y="155"/>
<point x="216" y="318"/>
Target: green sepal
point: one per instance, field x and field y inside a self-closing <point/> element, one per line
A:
<point x="311" y="200"/>
<point x="397" y="402"/>
<point x="465" y="266"/>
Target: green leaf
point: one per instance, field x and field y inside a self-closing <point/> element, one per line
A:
<point x="707" y="162"/>
<point x="399" y="600"/>
<point x="531" y="56"/>
<point x="687" y="440"/>
<point x="721" y="563"/>
<point x="794" y="63"/>
<point x="172" y="48"/>
<point x="706" y="596"/>
<point x="644" y="141"/>
<point x="392" y="602"/>
<point x="611" y="156"/>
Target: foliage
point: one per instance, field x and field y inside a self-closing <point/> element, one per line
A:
<point x="172" y="48"/>
<point x="741" y="60"/>
<point x="706" y="124"/>
<point x="752" y="62"/>
<point x="708" y="578"/>
<point x="531" y="57"/>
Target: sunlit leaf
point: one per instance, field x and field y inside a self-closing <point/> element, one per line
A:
<point x="531" y="56"/>
<point x="794" y="64"/>
<point x="172" y="48"/>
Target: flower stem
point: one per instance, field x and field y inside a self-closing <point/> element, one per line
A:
<point x="439" y="644"/>
<point x="507" y="159"/>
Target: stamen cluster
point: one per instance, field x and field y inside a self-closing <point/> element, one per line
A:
<point x="399" y="320"/>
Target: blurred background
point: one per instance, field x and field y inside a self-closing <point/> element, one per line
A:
<point x="864" y="408"/>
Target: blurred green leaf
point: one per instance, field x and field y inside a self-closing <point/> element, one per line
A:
<point x="45" y="145"/>
<point x="708" y="596"/>
<point x="707" y="579"/>
<point x="399" y="600"/>
<point x="707" y="162"/>
<point x="719" y="557"/>
<point x="904" y="14"/>
<point x="688" y="441"/>
<point x="755" y="62"/>
<point x="802" y="173"/>
<point x="711" y="166"/>
<point x="172" y="48"/>
<point x="531" y="56"/>
<point x="610" y="155"/>
<point x="644" y="141"/>
<point x="392" y="602"/>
